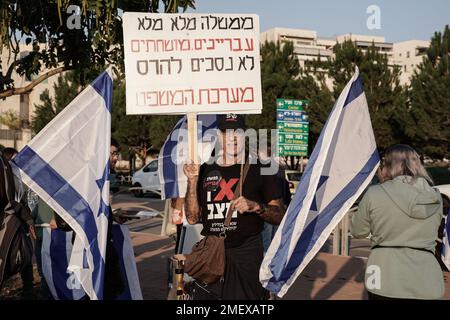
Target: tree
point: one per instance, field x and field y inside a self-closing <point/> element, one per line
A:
<point x="313" y="87"/>
<point x="430" y="100"/>
<point x="386" y="98"/>
<point x="11" y="119"/>
<point x="65" y="90"/>
<point x="282" y="77"/>
<point x="279" y="71"/>
<point x="279" y="76"/>
<point x="56" y="46"/>
<point x="132" y="132"/>
<point x="138" y="133"/>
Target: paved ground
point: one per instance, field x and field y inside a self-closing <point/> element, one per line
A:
<point x="326" y="277"/>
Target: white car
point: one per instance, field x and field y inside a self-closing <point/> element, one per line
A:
<point x="147" y="178"/>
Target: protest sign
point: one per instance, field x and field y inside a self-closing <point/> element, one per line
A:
<point x="199" y="63"/>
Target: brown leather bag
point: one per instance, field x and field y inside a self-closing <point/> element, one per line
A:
<point x="206" y="262"/>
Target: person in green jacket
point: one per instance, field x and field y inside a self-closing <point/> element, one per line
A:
<point x="402" y="215"/>
<point x="43" y="215"/>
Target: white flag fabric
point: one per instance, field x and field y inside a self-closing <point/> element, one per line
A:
<point x="341" y="166"/>
<point x="67" y="165"/>
<point x="174" y="154"/>
<point x="55" y="256"/>
<point x="63" y="285"/>
<point x="445" y="254"/>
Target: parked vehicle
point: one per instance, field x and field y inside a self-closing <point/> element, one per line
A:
<point x="293" y="177"/>
<point x="146" y="178"/>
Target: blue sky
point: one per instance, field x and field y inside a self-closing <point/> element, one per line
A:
<point x="400" y="19"/>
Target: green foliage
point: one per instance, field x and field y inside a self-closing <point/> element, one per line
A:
<point x="10" y="118"/>
<point x="137" y="134"/>
<point x="65" y="90"/>
<point x="386" y="98"/>
<point x="99" y="41"/>
<point x="429" y="96"/>
<point x="279" y="71"/>
<point x="313" y="88"/>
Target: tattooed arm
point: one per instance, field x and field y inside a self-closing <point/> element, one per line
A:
<point x="272" y="213"/>
<point x="192" y="208"/>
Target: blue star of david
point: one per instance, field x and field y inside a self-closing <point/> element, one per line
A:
<point x="103" y="207"/>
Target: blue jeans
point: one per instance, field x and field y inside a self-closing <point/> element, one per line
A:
<point x="267" y="235"/>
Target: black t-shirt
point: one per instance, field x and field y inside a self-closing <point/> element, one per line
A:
<point x="216" y="188"/>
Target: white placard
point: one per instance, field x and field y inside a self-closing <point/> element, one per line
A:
<point x="203" y="63"/>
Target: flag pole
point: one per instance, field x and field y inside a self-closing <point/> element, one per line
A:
<point x="192" y="136"/>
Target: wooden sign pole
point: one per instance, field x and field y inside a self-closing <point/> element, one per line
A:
<point x="192" y="137"/>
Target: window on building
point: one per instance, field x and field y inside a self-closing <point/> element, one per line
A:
<point x="407" y="54"/>
<point x="303" y="43"/>
<point x="421" y="51"/>
<point x="24" y="106"/>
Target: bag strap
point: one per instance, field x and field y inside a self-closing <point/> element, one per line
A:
<point x="237" y="193"/>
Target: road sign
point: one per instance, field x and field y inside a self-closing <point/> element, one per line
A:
<point x="292" y="127"/>
<point x="293" y="150"/>
<point x="292" y="115"/>
<point x="293" y="138"/>
<point x="289" y="104"/>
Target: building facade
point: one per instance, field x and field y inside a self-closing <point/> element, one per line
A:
<point x="22" y="105"/>
<point x="308" y="46"/>
<point x="408" y="55"/>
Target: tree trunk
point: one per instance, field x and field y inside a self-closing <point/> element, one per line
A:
<point x="15" y="138"/>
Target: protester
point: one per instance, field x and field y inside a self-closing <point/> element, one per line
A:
<point x="402" y="215"/>
<point x="114" y="281"/>
<point x="210" y="191"/>
<point x="42" y="215"/>
<point x="20" y="196"/>
<point x="177" y="205"/>
<point x="17" y="228"/>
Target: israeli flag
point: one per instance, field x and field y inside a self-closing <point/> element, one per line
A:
<point x="175" y="153"/>
<point x="341" y="166"/>
<point x="445" y="255"/>
<point x="67" y="165"/>
<point x="55" y="256"/>
<point x="64" y="285"/>
<point x="125" y="252"/>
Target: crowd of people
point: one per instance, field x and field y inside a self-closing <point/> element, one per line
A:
<point x="33" y="214"/>
<point x="401" y="215"/>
